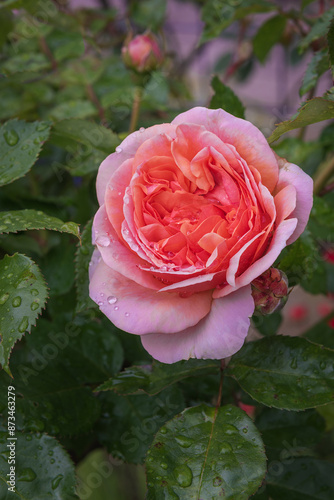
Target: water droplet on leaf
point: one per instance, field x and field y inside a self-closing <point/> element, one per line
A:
<point x="184" y="475"/>
<point x="11" y="137"/>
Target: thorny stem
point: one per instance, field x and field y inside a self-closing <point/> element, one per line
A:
<point x="135" y="109"/>
<point x="323" y="175"/>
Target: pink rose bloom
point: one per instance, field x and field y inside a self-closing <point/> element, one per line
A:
<point x="190" y="214"/>
<point x="142" y="53"/>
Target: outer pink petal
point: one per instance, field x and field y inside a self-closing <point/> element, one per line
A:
<point x="247" y="139"/>
<point x="127" y="149"/>
<point x="282" y="234"/>
<point x="219" y="335"/>
<point x="290" y="174"/>
<point x="140" y="310"/>
<point x="117" y="255"/>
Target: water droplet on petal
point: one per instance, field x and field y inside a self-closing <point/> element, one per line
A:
<point x="100" y="303"/>
<point x="127" y="315"/>
<point x="126" y="199"/>
<point x="142" y="129"/>
<point x="118" y="149"/>
<point x="103" y="241"/>
<point x="116" y="308"/>
<point x="111" y="299"/>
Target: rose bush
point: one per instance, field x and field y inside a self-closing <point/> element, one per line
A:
<point x="190" y="214"/>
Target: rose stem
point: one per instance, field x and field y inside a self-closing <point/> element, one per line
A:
<point x="323" y="174"/>
<point x="219" y="398"/>
<point x="135" y="109"/>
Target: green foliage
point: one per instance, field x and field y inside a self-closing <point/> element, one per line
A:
<point x="35" y="480"/>
<point x="219" y="14"/>
<point x="285" y="372"/>
<point x="152" y="379"/>
<point x="317" y="66"/>
<point x="20" y="145"/>
<point x="82" y="258"/>
<point x="226" y="99"/>
<point x="149" y="13"/>
<point x="22" y="296"/>
<point x="315" y="110"/>
<point x="330" y="41"/>
<point x="21" y="220"/>
<point x="318" y="30"/>
<point x="206" y="453"/>
<point x="267" y="36"/>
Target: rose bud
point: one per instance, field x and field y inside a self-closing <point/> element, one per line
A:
<point x="270" y="291"/>
<point x="249" y="409"/>
<point x="191" y="213"/>
<point x="142" y="53"/>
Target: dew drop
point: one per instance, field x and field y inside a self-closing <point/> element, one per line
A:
<point x="142" y="129"/>
<point x="103" y="241"/>
<point x="184" y="475"/>
<point x="100" y="303"/>
<point x="118" y="149"/>
<point x="34" y="306"/>
<point x="322" y="365"/>
<point x="52" y="461"/>
<point x="111" y="299"/>
<point x="116" y="308"/>
<point x="226" y="448"/>
<point x="41" y="127"/>
<point x="127" y="315"/>
<point x="217" y="481"/>
<point x="163" y="430"/>
<point x="34" y="292"/>
<point x="26" y="475"/>
<point x="294" y="364"/>
<point x="163" y="268"/>
<point x="11" y="137"/>
<point x="4" y="298"/>
<point x="245" y="430"/>
<point x="55" y="482"/>
<point x="28" y="437"/>
<point x="184" y="441"/>
<point x="163" y="465"/>
<point x="16" y="302"/>
<point x="24" y="324"/>
<point x="230" y="429"/>
<point x="126" y="199"/>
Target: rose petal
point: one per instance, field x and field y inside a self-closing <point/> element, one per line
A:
<point x="247" y="139"/>
<point x="290" y="174"/>
<point x="282" y="234"/>
<point x="127" y="149"/>
<point x="219" y="335"/>
<point x="140" y="310"/>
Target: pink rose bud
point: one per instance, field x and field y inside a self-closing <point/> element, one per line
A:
<point x="142" y="53"/>
<point x="270" y="291"/>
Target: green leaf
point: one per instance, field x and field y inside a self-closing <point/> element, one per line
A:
<point x="154" y="378"/>
<point x="80" y="108"/>
<point x="330" y="41"/>
<point x="58" y="268"/>
<point x="206" y="453"/>
<point x="20" y="144"/>
<point x="129" y="436"/>
<point x="52" y="371"/>
<point x="28" y="61"/>
<point x="219" y="14"/>
<point x="21" y="220"/>
<point x="281" y="428"/>
<point x="285" y="372"/>
<point x="318" y="30"/>
<point x="73" y="132"/>
<point x="321" y="224"/>
<point x="6" y="26"/>
<point x="268" y="35"/>
<point x="226" y="99"/>
<point x="305" y="3"/>
<point x="64" y="44"/>
<point x="43" y="469"/>
<point x="149" y="13"/>
<point x="267" y="325"/>
<point x="22" y="295"/>
<point x="303" y="265"/>
<point x="307" y="155"/>
<point x="316" y="67"/>
<point x="313" y="111"/>
<point x="301" y="479"/>
<point x="82" y="259"/>
<point x="322" y="332"/>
